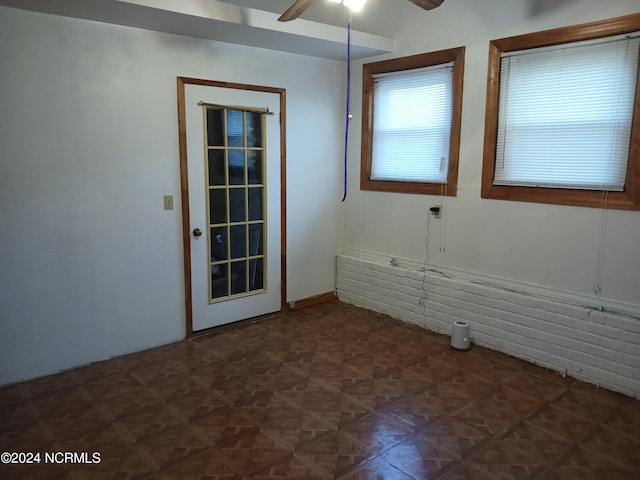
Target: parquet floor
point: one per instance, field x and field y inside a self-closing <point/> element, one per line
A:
<point x="331" y="391"/>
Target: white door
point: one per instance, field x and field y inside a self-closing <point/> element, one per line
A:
<point x="233" y="153"/>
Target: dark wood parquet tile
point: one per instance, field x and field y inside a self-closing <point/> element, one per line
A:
<point x="616" y="448"/>
<point x="290" y="467"/>
<point x="485" y="415"/>
<point x="503" y="460"/>
<point x="469" y="471"/>
<point x="589" y="406"/>
<point x="77" y="422"/>
<point x="254" y="450"/>
<point x="376" y="469"/>
<point x="421" y="459"/>
<point x="206" y="465"/>
<point x="339" y="375"/>
<point x="378" y="432"/>
<point x="158" y="371"/>
<point x="533" y="386"/>
<point x="40" y="472"/>
<point x="130" y="402"/>
<point x="360" y="345"/>
<point x="625" y="423"/>
<point x="455" y="435"/>
<point x="328" y="392"/>
<point x="491" y="371"/>
<point x="375" y="393"/>
<point x="473" y="385"/>
<point x="326" y="402"/>
<point x="560" y="423"/>
<point x="177" y="386"/>
<point x="432" y="370"/>
<point x="98" y="370"/>
<point x="539" y="444"/>
<point x="585" y="464"/>
<point x="199" y="403"/>
<point x="173" y="444"/>
<point x="111" y="385"/>
<point x="335" y="454"/>
<point x="29" y="437"/>
<point x="222" y="426"/>
<point x="574" y="472"/>
<point x="447" y="397"/>
<point x="414" y="411"/>
<point x="47" y="387"/>
<point x="149" y="421"/>
<point x="60" y="403"/>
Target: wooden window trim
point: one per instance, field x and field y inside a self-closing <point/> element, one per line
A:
<point x="455" y="55"/>
<point x="629" y="198"/>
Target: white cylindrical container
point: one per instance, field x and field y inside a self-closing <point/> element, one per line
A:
<point x="460" y="337"/>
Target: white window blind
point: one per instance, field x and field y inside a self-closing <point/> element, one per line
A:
<point x="412" y="112"/>
<point x="565" y="115"/>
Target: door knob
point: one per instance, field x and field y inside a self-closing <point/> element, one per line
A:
<point x="197" y="232"/>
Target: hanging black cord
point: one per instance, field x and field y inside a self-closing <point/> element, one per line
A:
<point x="348" y="114"/>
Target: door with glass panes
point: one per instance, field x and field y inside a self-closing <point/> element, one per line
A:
<point x="233" y="151"/>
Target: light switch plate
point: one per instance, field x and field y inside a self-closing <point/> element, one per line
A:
<point x="168" y="202"/>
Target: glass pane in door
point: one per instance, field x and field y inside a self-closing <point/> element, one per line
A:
<point x="254" y="129"/>
<point x="236" y="167"/>
<point x="235" y="128"/>
<point x="238" y="241"/>
<point x="219" y="281"/>
<point x="256" y="274"/>
<point x="216" y="167"/>
<point x="238" y="277"/>
<point x="215" y="127"/>
<point x="254" y="166"/>
<point x="217" y="206"/>
<point x="236" y="187"/>
<point x="237" y="212"/>
<point x="219" y="247"/>
<point x="256" y="201"/>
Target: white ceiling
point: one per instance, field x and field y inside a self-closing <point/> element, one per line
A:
<point x="379" y="17"/>
<point x="320" y="31"/>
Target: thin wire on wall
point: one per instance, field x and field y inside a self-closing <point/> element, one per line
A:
<point x="425" y="266"/>
<point x="443" y="227"/>
<point x="604" y="211"/>
<point x="425" y="270"/>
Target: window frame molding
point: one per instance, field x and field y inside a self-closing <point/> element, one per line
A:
<point x="455" y="55"/>
<point x="629" y="198"/>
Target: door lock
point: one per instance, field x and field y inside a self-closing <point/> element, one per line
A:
<point x="197" y="232"/>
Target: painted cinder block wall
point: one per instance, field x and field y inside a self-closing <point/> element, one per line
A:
<point x="559" y="332"/>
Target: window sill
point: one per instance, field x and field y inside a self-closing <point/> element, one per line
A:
<point x="408" y="187"/>
<point x="559" y="196"/>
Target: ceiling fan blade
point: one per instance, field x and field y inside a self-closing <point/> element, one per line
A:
<point x="427" y="4"/>
<point x="295" y="10"/>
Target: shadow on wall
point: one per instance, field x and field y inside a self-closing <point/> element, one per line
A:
<point x="546" y="7"/>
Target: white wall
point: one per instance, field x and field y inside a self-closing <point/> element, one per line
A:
<point x="91" y="263"/>
<point x="551" y="246"/>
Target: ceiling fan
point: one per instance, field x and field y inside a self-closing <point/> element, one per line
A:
<point x="299" y="6"/>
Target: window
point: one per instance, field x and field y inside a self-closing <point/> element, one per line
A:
<point x="562" y="122"/>
<point x="411" y="110"/>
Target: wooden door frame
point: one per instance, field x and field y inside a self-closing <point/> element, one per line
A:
<point x="184" y="186"/>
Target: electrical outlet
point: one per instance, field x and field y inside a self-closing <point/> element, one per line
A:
<point x="168" y="202"/>
<point x="436" y="211"/>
